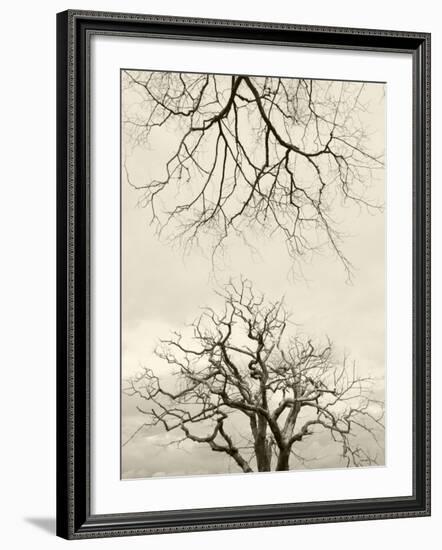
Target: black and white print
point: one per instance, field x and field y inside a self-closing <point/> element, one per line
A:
<point x="253" y="269"/>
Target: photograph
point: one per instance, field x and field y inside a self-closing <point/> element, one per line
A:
<point x="253" y="311"/>
<point x="220" y="276"/>
<point x="243" y="274"/>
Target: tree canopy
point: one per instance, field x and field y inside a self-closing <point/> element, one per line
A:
<point x="251" y="156"/>
<point x="246" y="384"/>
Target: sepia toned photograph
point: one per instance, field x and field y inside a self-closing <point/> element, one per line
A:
<point x="252" y="274"/>
<point x="243" y="274"/>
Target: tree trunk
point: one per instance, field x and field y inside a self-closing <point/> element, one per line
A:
<point x="263" y="454"/>
<point x="283" y="459"/>
<point x="263" y="449"/>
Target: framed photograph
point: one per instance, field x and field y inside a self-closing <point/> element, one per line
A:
<point x="243" y="274"/>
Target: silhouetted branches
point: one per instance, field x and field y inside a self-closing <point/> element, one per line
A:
<point x="244" y="366"/>
<point x="251" y="156"/>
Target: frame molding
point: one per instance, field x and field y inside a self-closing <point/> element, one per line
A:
<point x="74" y="518"/>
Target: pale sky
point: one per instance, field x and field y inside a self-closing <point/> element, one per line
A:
<point x="161" y="292"/>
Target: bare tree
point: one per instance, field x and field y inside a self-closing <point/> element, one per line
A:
<point x="251" y="156"/>
<point x="246" y="386"/>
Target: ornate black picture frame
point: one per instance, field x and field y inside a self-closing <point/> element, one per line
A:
<point x="74" y="517"/>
